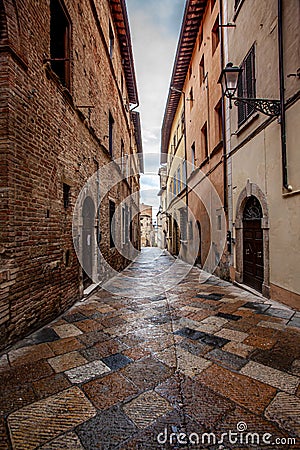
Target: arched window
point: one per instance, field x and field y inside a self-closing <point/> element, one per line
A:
<point x="252" y="209"/>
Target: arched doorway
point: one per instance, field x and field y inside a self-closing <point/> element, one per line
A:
<point x="176" y="237"/>
<point x="199" y="256"/>
<point x="88" y="217"/>
<point x="253" y="248"/>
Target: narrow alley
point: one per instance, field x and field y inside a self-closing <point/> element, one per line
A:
<point x="201" y="365"/>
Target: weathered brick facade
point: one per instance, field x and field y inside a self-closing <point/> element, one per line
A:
<point x="54" y="136"/>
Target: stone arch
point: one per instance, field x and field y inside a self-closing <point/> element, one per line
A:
<point x="252" y="189"/>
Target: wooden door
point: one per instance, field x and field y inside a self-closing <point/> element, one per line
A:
<point x="253" y="255"/>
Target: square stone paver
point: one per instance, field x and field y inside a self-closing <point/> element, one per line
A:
<point x="67" y="330"/>
<point x="29" y="354"/>
<point x="42" y="421"/>
<point x="273" y="377"/>
<point x="106" y="431"/>
<point x="189" y="364"/>
<point x="244" y="391"/>
<point x="146" y="373"/>
<point x="260" y="342"/>
<point x="228" y="316"/>
<point x="232" y="335"/>
<point x="285" y="410"/>
<point x="50" y="385"/>
<point x="106" y="392"/>
<point x="238" y="348"/>
<point x="87" y="372"/>
<point x="146" y="408"/>
<point x="66" y="361"/>
<point x="226" y="359"/>
<point x="117" y="361"/>
<point x="65" y="345"/>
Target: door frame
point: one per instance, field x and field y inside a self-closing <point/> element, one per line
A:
<point x="252" y="189"/>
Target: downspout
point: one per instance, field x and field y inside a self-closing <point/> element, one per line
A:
<point x="282" y="101"/>
<point x="225" y="181"/>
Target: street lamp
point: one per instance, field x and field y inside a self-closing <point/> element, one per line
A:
<point x="229" y="81"/>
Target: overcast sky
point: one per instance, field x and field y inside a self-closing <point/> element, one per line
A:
<point x="155" y="27"/>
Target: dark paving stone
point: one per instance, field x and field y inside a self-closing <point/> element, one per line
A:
<point x="226" y="359"/>
<point x="228" y="316"/>
<point x="257" y="307"/>
<point x="76" y="317"/>
<point x="280" y="313"/>
<point x="215" y="297"/>
<point x="195" y="348"/>
<point x="106" y="430"/>
<point x="295" y="322"/>
<point x="44" y="335"/>
<point x="147" y="373"/>
<point x="117" y="361"/>
<point x="213" y="340"/>
<point x="190" y="333"/>
<point x="157" y="298"/>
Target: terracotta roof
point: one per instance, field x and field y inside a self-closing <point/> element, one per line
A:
<point x="120" y="17"/>
<point x="193" y="15"/>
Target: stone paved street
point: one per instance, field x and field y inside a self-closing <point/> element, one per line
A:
<point x="119" y="371"/>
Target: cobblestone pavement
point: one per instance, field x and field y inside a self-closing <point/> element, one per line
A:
<point x="132" y="373"/>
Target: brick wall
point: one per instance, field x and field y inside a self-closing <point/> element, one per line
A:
<point x="47" y="140"/>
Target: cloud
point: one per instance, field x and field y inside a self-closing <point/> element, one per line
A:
<point x="155" y="27"/>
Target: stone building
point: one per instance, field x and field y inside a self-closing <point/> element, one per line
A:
<point x="67" y="85"/>
<point x="146" y="225"/>
<point x="192" y="143"/>
<point x="263" y="152"/>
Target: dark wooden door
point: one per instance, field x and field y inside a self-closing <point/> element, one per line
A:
<point x="88" y="214"/>
<point x="253" y="255"/>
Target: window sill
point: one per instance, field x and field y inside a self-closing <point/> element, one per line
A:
<point x="247" y="123"/>
<point x="64" y="90"/>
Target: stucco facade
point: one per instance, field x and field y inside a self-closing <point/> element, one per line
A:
<point x="255" y="146"/>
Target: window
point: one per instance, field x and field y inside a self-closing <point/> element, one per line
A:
<point x="202" y="70"/>
<point x="193" y="158"/>
<point x="215" y="35"/>
<point x="66" y="195"/>
<point x="122" y="157"/>
<point x="111" y="42"/>
<point x="191" y="96"/>
<point x="174" y="185"/>
<point x="182" y="122"/>
<point x="60" y="42"/>
<point x="204" y="139"/>
<point x="218" y="121"/>
<point x="191" y="71"/>
<point x="125" y="223"/>
<point x="184" y="173"/>
<point x="237" y="3"/>
<point x="112" y="208"/>
<point x="178" y="180"/>
<point x="246" y="86"/>
<point x="110" y="134"/>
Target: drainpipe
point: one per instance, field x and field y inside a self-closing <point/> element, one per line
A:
<point x="282" y="101"/>
<point x="225" y="181"/>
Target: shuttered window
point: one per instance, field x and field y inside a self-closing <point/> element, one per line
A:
<point x="112" y="208"/>
<point x="246" y="86"/>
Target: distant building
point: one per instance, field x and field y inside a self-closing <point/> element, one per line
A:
<point x="147" y="231"/>
<point x="67" y="89"/>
